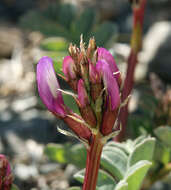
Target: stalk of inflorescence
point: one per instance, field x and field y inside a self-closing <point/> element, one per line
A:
<point x="138" y="8"/>
<point x="95" y="80"/>
<point x="93" y="163"/>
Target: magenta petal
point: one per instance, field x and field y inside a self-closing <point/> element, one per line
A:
<point x="82" y="94"/>
<point x="48" y="86"/>
<point x="104" y="54"/>
<point x="110" y="84"/>
<point x="68" y="68"/>
<point x="93" y="74"/>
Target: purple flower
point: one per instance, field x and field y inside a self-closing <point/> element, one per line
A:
<point x="112" y="97"/>
<point x="48" y="87"/>
<point x="82" y="94"/>
<point x="104" y="54"/>
<point x="93" y="74"/>
<point x="110" y="83"/>
<point x="69" y="70"/>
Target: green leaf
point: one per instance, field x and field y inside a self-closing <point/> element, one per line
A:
<point x="162" y="153"/>
<point x="57" y="152"/>
<point x="142" y="151"/>
<point x="36" y="21"/>
<point x="104" y="182"/>
<point x="54" y="44"/>
<point x="70" y="102"/>
<point x="114" y="160"/>
<point x="129" y="145"/>
<point x="67" y="153"/>
<point x="74" y="188"/>
<point x="122" y="185"/>
<point x="118" y="145"/>
<point x="66" y="14"/>
<point x="79" y="155"/>
<point x="105" y="32"/>
<point x="139" y="139"/>
<point x="14" y="187"/>
<point x="57" y="60"/>
<point x="164" y="134"/>
<point x="136" y="174"/>
<point x="84" y="24"/>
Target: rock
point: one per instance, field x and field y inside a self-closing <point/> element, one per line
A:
<point x="14" y="144"/>
<point x="29" y="114"/>
<point x="156" y="56"/>
<point x="10" y="39"/>
<point x="38" y="129"/>
<point x="70" y="171"/>
<point x="160" y="186"/>
<point x="59" y="184"/>
<point x="23" y="104"/>
<point x="48" y="167"/>
<point x="24" y="172"/>
<point x="13" y="75"/>
<point x="34" y="149"/>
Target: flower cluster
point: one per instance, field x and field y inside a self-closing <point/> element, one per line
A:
<point x="5" y="173"/>
<point x="95" y="79"/>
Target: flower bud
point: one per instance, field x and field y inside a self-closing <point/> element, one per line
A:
<point x="84" y="105"/>
<point x="111" y="99"/>
<point x="105" y="55"/>
<point x="70" y="71"/>
<point x="95" y="80"/>
<point x="78" y="128"/>
<point x="91" y="48"/>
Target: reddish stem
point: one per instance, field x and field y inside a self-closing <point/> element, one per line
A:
<point x="128" y="85"/>
<point x="93" y="163"/>
<point x="136" y="42"/>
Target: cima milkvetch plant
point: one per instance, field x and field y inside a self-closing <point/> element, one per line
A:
<point x="95" y="80"/>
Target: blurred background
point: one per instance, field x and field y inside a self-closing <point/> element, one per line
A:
<point x="30" y="29"/>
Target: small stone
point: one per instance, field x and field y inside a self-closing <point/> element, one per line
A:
<point x="10" y="38"/>
<point x="15" y="144"/>
<point x="34" y="149"/>
<point x="25" y="172"/>
<point x="23" y="104"/>
<point x="70" y="171"/>
<point x="48" y="167"/>
<point x="156" y="56"/>
<point x="29" y="114"/>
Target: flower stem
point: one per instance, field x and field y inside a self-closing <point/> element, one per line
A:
<point x="93" y="163"/>
<point x="136" y="43"/>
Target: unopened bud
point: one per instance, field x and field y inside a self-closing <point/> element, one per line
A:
<point x="91" y="48"/>
<point x="82" y="46"/>
<point x="84" y="105"/>
<point x="109" y="118"/>
<point x="73" y="51"/>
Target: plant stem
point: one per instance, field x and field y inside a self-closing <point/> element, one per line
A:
<point x="93" y="163"/>
<point x="136" y="43"/>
